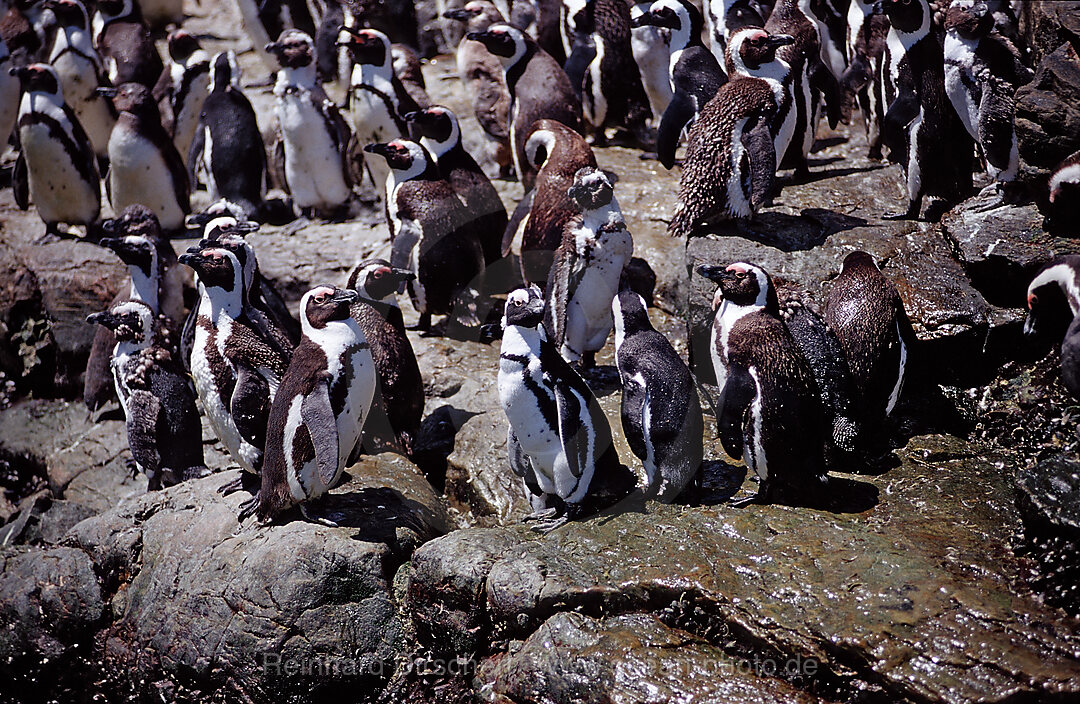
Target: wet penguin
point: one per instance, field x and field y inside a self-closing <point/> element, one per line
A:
<point x="227" y="153"/>
<point x="661" y="416"/>
<point x="539" y="89"/>
<point x="439" y="132"/>
<point x="79" y="67"/>
<point x="163" y="428"/>
<point x="123" y="40"/>
<point x="587" y="269"/>
<point x="724" y="18"/>
<point x="730" y="159"/>
<point x="982" y="72"/>
<point x="432" y="235"/>
<point x="769" y="407"/>
<point x="184" y="86"/>
<point x="144" y="166"/>
<point x="398" y="406"/>
<point x="56" y="168"/>
<point x="865" y="311"/>
<point x="868" y="28"/>
<point x="320" y="408"/>
<point x="313" y="150"/>
<point x="1057" y="280"/>
<point x="558" y="440"/>
<point x="695" y="74"/>
<point x="9" y="95"/>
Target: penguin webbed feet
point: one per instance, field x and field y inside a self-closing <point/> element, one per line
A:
<point x="548" y="519"/>
<point x="248" y="509"/>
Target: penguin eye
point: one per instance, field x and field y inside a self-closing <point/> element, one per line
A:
<point x="740" y="275"/>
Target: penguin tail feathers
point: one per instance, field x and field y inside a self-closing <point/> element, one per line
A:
<point x="682" y="223"/>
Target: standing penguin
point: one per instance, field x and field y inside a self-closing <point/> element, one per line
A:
<point x="769" y="407"/>
<point x="399" y="400"/>
<point x="696" y="76"/>
<point x="558" y="440"/>
<point x="183" y="88"/>
<point x="539" y="89"/>
<point x="227" y="153"/>
<point x="431" y="234"/>
<point x="661" y="416"/>
<point x="408" y="69"/>
<point x="650" y="47"/>
<point x="78" y="65"/>
<point x="1057" y="280"/>
<point x="868" y="28"/>
<point x="438" y="131"/>
<point x="313" y="150"/>
<point x="123" y="40"/>
<point x="144" y="166"/>
<point x="163" y="428"/>
<point x="724" y="18"/>
<point x="320" y="408"/>
<point x="982" y="72"/>
<point x="56" y="168"/>
<point x="587" y="269"/>
<point x="865" y="311"/>
<point x="9" y="96"/>
<point x="263" y="20"/>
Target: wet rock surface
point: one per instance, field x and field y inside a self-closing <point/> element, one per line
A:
<point x="1047" y="116"/>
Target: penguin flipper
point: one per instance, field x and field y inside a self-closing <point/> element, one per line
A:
<point x="903" y="109"/>
<point x="187" y="336"/>
<point x="318" y="416"/>
<point x="738" y="392"/>
<point x="517" y="221"/>
<point x="759" y="148"/>
<point x="822" y="79"/>
<point x="680" y="111"/>
<point x="195" y="152"/>
<point x="250" y="405"/>
<point x="144" y="410"/>
<point x="20" y="183"/>
<point x="581" y="55"/>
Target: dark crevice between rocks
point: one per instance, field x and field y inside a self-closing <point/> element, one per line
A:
<point x="21" y="475"/>
<point x="435" y="444"/>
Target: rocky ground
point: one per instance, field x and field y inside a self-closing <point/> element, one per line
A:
<point x="946" y="575"/>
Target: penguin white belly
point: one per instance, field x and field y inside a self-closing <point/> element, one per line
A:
<point x="588" y="314"/>
<point x="753" y="452"/>
<point x="350" y="421"/>
<point x="220" y="420"/>
<point x="79" y="82"/>
<point x="313" y="167"/>
<point x="738" y="203"/>
<point x="536" y="438"/>
<point x="914" y="170"/>
<point x="186" y="119"/>
<point x="959" y="58"/>
<point x="787" y="128"/>
<point x="57" y="188"/>
<point x="716" y="21"/>
<point x="138" y="174"/>
<point x="649" y="48"/>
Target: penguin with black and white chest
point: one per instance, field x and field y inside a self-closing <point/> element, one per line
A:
<point x="398" y="406"/>
<point x="868" y="28"/>
<point x="558" y="440"/>
<point x="661" y="416"/>
<point x="144" y="166"/>
<point x="650" y="47"/>
<point x="539" y="89"/>
<point x="163" y="428"/>
<point x="264" y="20"/>
<point x="56" y="168"/>
<point x="123" y="39"/>
<point x="769" y="407"/>
<point x="78" y="65"/>
<point x="587" y="269"/>
<point x="1053" y="301"/>
<point x="865" y="311"/>
<point x="695" y="74"/>
<point x="438" y="131"/>
<point x="313" y="149"/>
<point x="184" y="86"/>
<point x="408" y="69"/>
<point x="982" y="72"/>
<point x="432" y="234"/>
<point x="227" y="153"/>
<point x="320" y="408"/>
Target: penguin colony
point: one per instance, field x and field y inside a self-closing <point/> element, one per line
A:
<point x="87" y="100"/>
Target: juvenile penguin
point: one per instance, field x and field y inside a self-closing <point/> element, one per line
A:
<point x="558" y="440"/>
<point x="982" y="72"/>
<point x="78" y="65"/>
<point x="123" y="40"/>
<point x="730" y="158"/>
<point x="184" y="86"/>
<point x="769" y="407"/>
<point x="1059" y="279"/>
<point x="439" y="132"/>
<point x="868" y="28"/>
<point x="695" y="74"/>
<point x="432" y="235"/>
<point x="144" y="166"/>
<point x="661" y="416"/>
<point x="484" y="80"/>
<point x="313" y="150"/>
<point x="227" y="153"/>
<point x="56" y="168"/>
<point x="865" y="311"/>
<point x="9" y="95"/>
<point x="399" y="399"/>
<point x="320" y="408"/>
<point x="409" y="71"/>
<point x="539" y="89"/>
<point x="163" y="428"/>
<point x="588" y="265"/>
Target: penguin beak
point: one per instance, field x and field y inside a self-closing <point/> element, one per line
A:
<point x="716" y="274"/>
<point x="878" y="8"/>
<point x="777" y="40"/>
<point x="461" y="14"/>
<point x="641" y="20"/>
<point x="380" y="148"/>
<point x="980" y="10"/>
<point x="105" y="318"/>
<point x="191" y="259"/>
<point x="20" y="72"/>
<point x="489" y="332"/>
<point x="105" y="91"/>
<point x="274" y="48"/>
<point x="345" y="295"/>
<point x="111" y="228"/>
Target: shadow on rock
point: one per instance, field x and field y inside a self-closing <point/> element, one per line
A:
<point x="790" y="233"/>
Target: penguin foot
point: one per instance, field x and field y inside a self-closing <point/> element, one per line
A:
<point x="246" y="482"/>
<point x="315" y="519"/>
<point x="248" y="508"/>
<point x="547" y="520"/>
<point x="132" y="468"/>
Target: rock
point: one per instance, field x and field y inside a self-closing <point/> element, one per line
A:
<point x="27" y="346"/>
<point x="1048" y="114"/>
<point x="47" y="523"/>
<point x="1046" y="24"/>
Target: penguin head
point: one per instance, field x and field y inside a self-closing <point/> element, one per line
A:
<point x="436" y="123"/>
<point x="682" y="18"/>
<point x="970" y="19"/>
<point x="134" y="220"/>
<point x="368" y="47"/>
<point x="750" y="48"/>
<point x="224" y="226"/>
<point x="112" y="9"/>
<point x="507" y="43"/>
<point x="225" y="71"/>
<point x="856" y="261"/>
<point x="742" y="14"/>
<point x="477" y="15"/>
<point x="524" y="308"/>
<point x="38" y="78"/>
<point x="593" y="188"/>
<point x="629" y="312"/>
<point x="325" y="304"/>
<point x="376" y="280"/>
<point x="743" y="284"/>
<point x="216" y="267"/>
<point x="182" y="45"/>
<point x="293" y="49"/>
<point x="133" y="250"/>
<point x="68" y="13"/>
<point x="907" y="16"/>
<point x="406" y="158"/>
<point x="1053" y="297"/>
<point x="130" y="321"/>
<point x="220" y="207"/>
<point x="134" y="99"/>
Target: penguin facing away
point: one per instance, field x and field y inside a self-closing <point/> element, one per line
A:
<point x="184" y="86"/>
<point x="868" y="28"/>
<point x="123" y="40"/>
<point x="661" y="416"/>
<point x="320" y="408"/>
<point x="1058" y="279"/>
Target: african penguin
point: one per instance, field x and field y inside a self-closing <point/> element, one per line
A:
<point x="1062" y="203"/>
<point x="263" y="20"/>
<point x="399" y="398"/>
<point x="9" y="96"/>
<point x="695" y="74"/>
<point x="650" y="48"/>
<point x="227" y="153"/>
<point x="1059" y="279"/>
<point x="437" y="129"/>
<point x="661" y="416"/>
<point x="431" y="235"/>
<point x="56" y="168"/>
<point x="144" y="166"/>
<point x="724" y="17"/>
<point x="407" y="68"/>
<point x="183" y="88"/>
<point x="539" y="89"/>
<point x="865" y="311"/>
<point x="163" y="428"/>
<point x="588" y="266"/>
<point x="313" y="150"/>
<point x="868" y="28"/>
<point x="320" y="408"/>
<point x="769" y="406"/>
<point x="123" y="40"/>
<point x="558" y="439"/>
